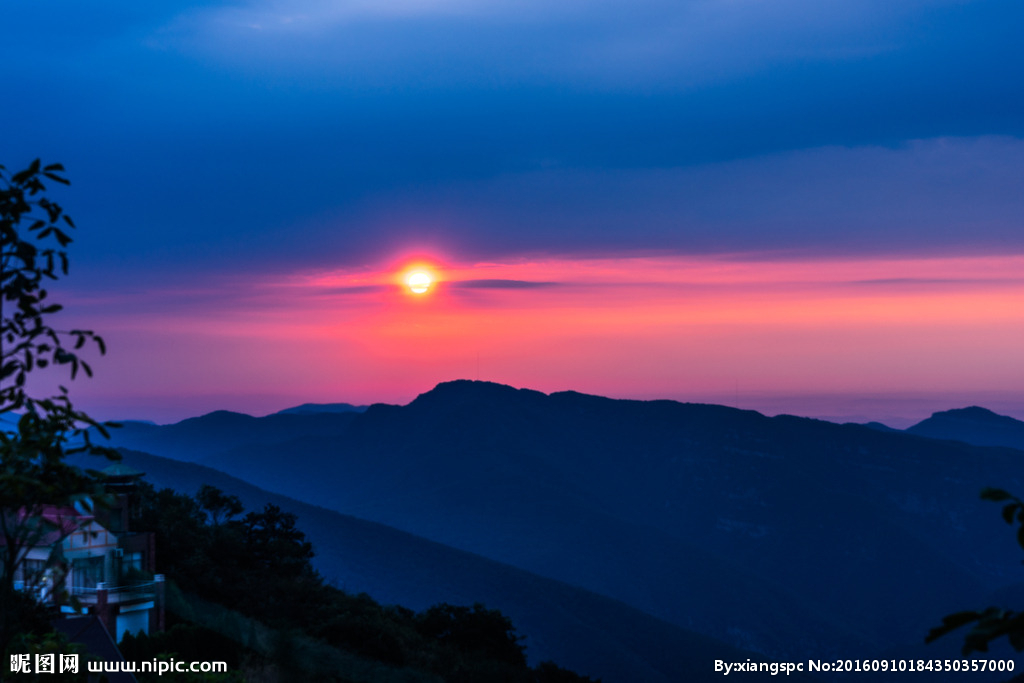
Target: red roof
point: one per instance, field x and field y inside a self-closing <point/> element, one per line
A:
<point x="60" y="522"/>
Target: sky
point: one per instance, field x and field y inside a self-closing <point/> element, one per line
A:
<point x="790" y="206"/>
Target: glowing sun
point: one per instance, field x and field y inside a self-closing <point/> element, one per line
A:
<point x="419" y="282"/>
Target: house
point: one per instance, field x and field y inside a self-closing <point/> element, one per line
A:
<point x="96" y="563"/>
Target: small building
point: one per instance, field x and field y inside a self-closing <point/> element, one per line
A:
<point x="102" y="565"/>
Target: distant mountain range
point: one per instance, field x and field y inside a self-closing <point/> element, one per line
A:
<point x="586" y="632"/>
<point x="313" y="408"/>
<point x="199" y="438"/>
<point x="974" y="425"/>
<point x="789" y="537"/>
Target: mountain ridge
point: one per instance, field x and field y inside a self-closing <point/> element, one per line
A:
<point x="317" y="408"/>
<point x="974" y="425"/>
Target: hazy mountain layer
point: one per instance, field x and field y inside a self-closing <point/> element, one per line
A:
<point x="578" y="629"/>
<point x="788" y="536"/>
<point x="974" y="425"/>
<point x="315" y="408"/>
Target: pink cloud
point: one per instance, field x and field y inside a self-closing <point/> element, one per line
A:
<point x="657" y="326"/>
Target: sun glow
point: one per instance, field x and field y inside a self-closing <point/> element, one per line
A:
<point x="644" y="327"/>
<point x="419" y="282"/>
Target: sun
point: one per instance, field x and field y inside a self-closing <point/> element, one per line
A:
<point x="419" y="282"/>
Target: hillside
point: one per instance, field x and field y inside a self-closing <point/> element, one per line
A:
<point x="580" y="630"/>
<point x="786" y="536"/>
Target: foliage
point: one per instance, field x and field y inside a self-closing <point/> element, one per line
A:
<point x="24" y="615"/>
<point x="29" y="225"/>
<point x="200" y="644"/>
<point x="479" y="631"/>
<point x="549" y="672"/>
<point x="217" y="505"/>
<point x="33" y="473"/>
<point x="48" y="642"/>
<point x="275" y="544"/>
<point x="223" y="560"/>
<point x="230" y="561"/>
<point x="991" y="623"/>
<point x="475" y="644"/>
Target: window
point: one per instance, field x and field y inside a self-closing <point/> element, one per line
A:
<point x="131" y="567"/>
<point x="33" y="570"/>
<point x="86" y="572"/>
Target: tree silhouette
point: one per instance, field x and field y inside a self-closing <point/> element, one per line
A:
<point x="34" y="476"/>
<point x="218" y="505"/>
<point x="994" y="622"/>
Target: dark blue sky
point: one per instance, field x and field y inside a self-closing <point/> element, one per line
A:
<point x="274" y="135"/>
<point x="220" y="151"/>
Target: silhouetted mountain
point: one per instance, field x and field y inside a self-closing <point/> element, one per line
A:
<point x="878" y="426"/>
<point x="195" y="439"/>
<point x="787" y="536"/>
<point x="313" y="408"/>
<point x="578" y="629"/>
<point x="974" y="425"/>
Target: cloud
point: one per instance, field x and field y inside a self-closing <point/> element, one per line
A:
<point x="926" y="196"/>
<point x="928" y="282"/>
<point x="658" y="44"/>
<point x="495" y="130"/>
<point x="499" y="284"/>
<point x="357" y="289"/>
<point x="948" y="195"/>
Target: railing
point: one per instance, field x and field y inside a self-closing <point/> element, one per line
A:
<point x="131" y="592"/>
<point x="36" y="588"/>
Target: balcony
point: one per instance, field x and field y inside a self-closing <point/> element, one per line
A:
<point x="126" y="594"/>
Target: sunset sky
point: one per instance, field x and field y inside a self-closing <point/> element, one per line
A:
<point x="791" y="206"/>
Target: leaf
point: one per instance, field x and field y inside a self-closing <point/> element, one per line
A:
<point x="83" y="503"/>
<point x="1008" y="512"/>
<point x="974" y="642"/>
<point x="951" y="623"/>
<point x="62" y="238"/>
<point x="995" y="495"/>
<point x="1016" y="637"/>
<point x="56" y="178"/>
